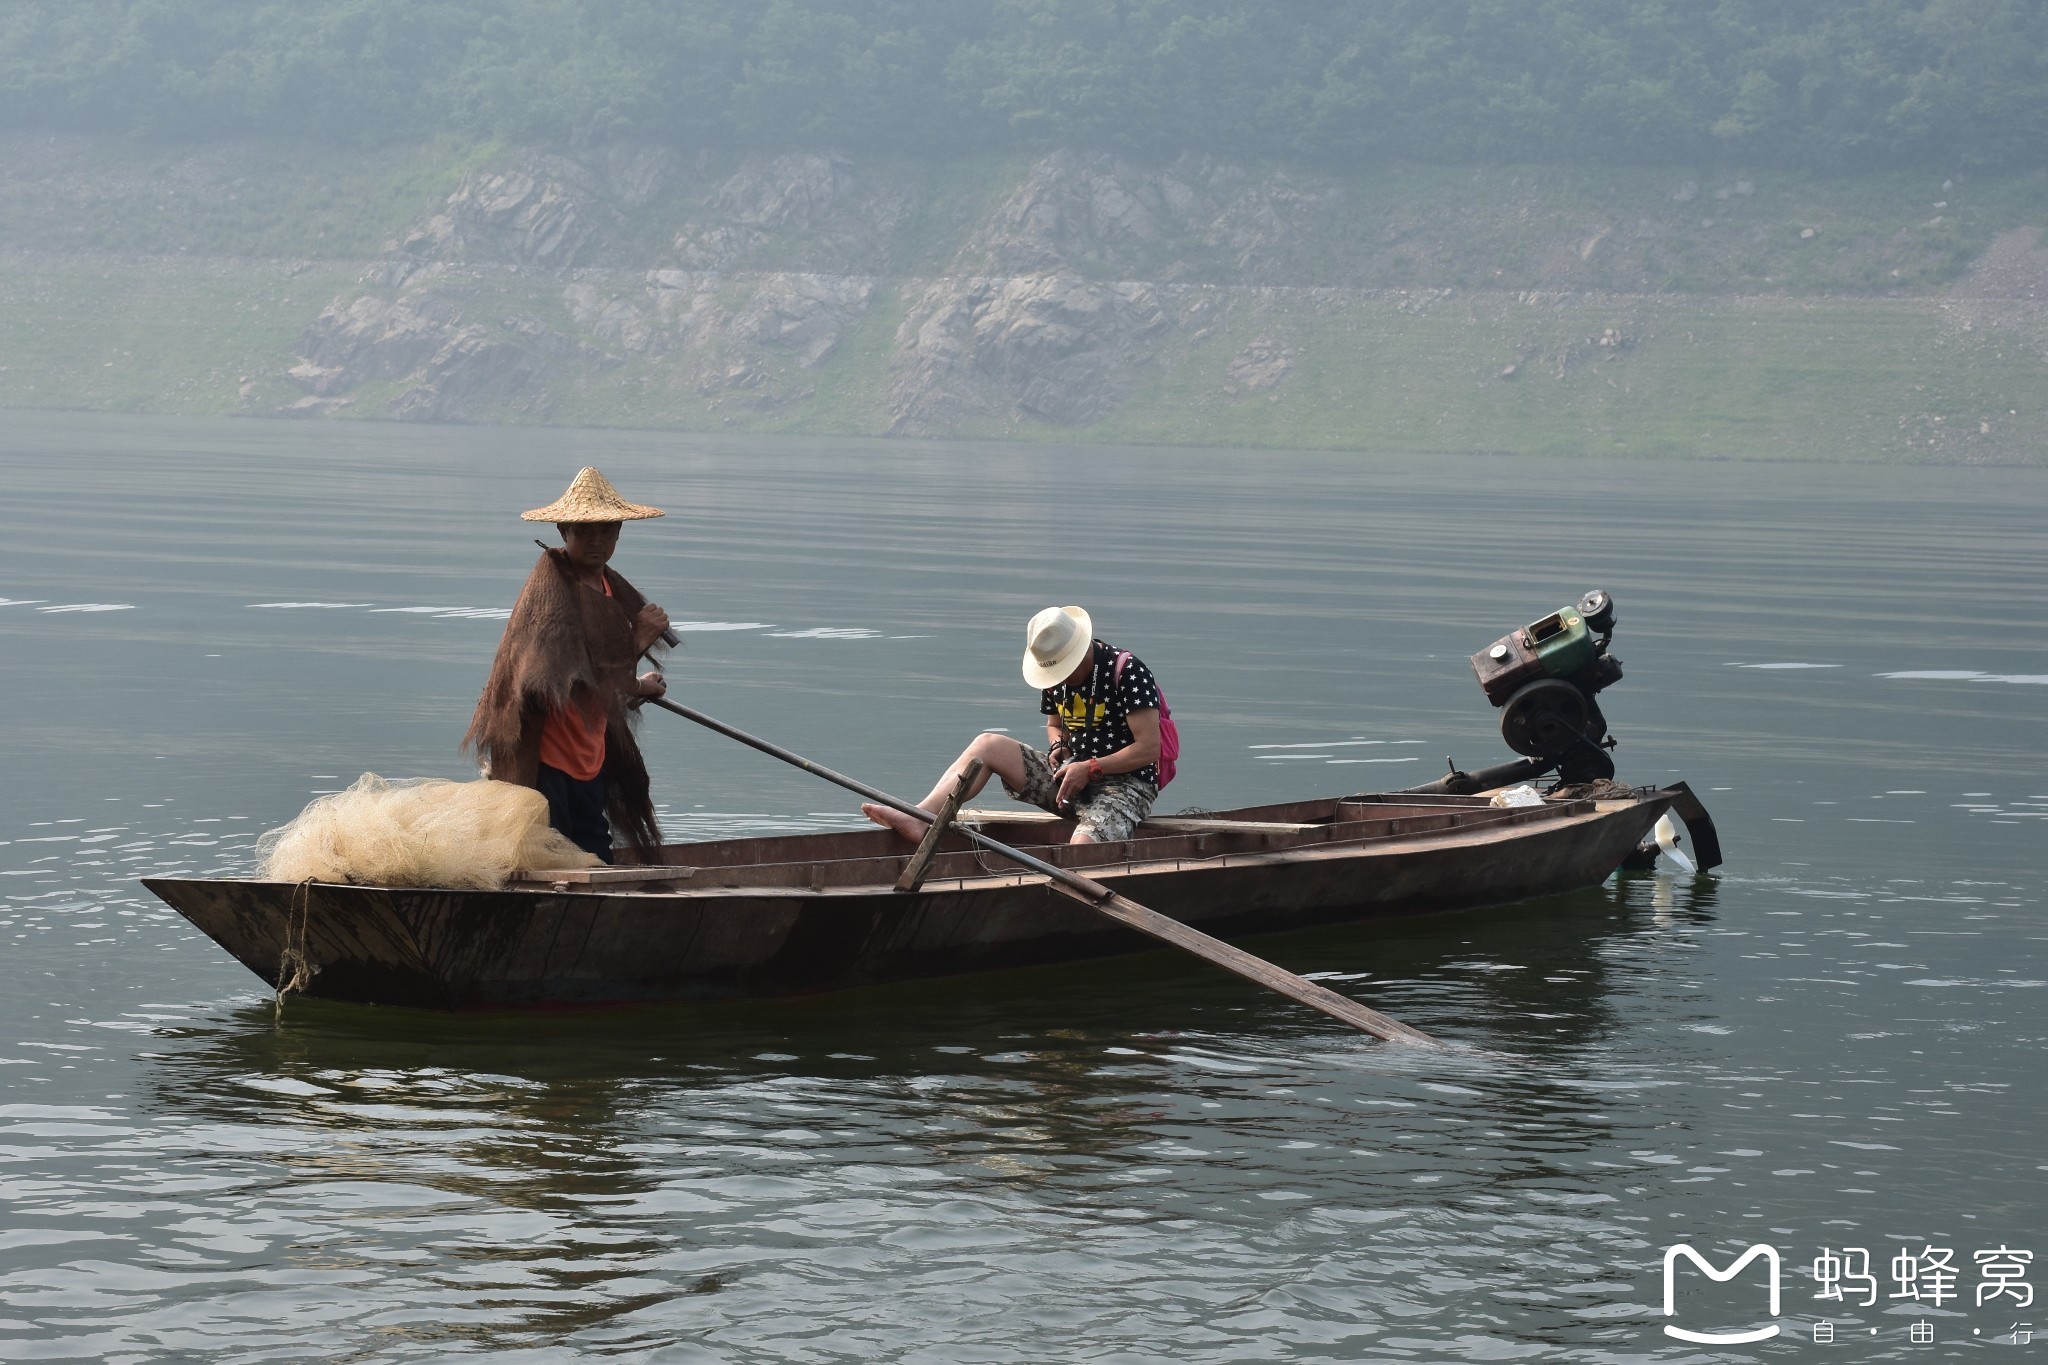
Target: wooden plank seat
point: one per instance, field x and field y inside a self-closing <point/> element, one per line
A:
<point x="1164" y="824"/>
<point x="601" y="876"/>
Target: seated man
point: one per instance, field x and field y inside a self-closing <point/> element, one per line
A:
<point x="1102" y="729"/>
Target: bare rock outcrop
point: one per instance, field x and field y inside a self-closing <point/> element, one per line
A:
<point x="1055" y="301"/>
<point x="374" y="338"/>
<point x="448" y="368"/>
<point x="1109" y="215"/>
<point x="1040" y="316"/>
<point x="1053" y="346"/>
<point x="811" y="206"/>
<point x="1075" y="210"/>
<point x="2006" y="291"/>
<point x="707" y="321"/>
<point x="553" y="212"/>
<point x="1027" y="326"/>
<point x="804" y="315"/>
<point x="543" y="214"/>
<point x="601" y="310"/>
<point x="555" y="225"/>
<point x="476" y="372"/>
<point x="1260" y="366"/>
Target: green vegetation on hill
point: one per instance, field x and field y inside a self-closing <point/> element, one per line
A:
<point x="1820" y="84"/>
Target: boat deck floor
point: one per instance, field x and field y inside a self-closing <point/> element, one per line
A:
<point x="871" y="860"/>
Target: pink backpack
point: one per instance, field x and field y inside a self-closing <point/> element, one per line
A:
<point x="1169" y="733"/>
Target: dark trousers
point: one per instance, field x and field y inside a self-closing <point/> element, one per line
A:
<point x="576" y="809"/>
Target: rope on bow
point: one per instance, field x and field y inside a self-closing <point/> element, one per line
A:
<point x="295" y="969"/>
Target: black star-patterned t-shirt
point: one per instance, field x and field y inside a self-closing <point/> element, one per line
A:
<point x="1096" y="713"/>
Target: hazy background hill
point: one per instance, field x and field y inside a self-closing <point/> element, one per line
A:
<point x="1825" y="84"/>
<point x="1735" y="228"/>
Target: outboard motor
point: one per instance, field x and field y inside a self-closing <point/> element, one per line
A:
<point x="1544" y="678"/>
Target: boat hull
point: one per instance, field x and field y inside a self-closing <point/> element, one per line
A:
<point x="542" y="947"/>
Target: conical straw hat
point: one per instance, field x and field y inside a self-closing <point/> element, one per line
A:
<point x="591" y="497"/>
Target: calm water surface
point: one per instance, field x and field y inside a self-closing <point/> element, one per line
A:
<point x="1837" y="1040"/>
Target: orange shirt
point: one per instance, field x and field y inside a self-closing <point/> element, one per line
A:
<point x="572" y="738"/>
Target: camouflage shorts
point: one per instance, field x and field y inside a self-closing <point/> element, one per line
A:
<point x="1107" y="811"/>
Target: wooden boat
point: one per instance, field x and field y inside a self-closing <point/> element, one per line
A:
<point x="809" y="913"/>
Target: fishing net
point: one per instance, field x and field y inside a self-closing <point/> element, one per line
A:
<point x="418" y="832"/>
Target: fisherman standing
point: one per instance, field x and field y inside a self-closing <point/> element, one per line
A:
<point x="556" y="712"/>
<point x="1110" y="741"/>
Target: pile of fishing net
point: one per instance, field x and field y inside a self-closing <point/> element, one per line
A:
<point x="418" y="832"/>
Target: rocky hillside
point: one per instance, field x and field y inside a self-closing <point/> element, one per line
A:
<point x="1075" y="295"/>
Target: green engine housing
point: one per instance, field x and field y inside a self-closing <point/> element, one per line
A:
<point x="1558" y="646"/>
<point x="1561" y="642"/>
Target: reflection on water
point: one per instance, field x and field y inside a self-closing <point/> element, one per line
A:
<point x="1833" y="1041"/>
<point x="467" y="1183"/>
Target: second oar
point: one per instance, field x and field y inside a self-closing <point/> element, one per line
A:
<point x="1105" y="901"/>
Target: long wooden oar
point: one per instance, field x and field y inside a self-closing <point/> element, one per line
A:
<point x="1104" y="901"/>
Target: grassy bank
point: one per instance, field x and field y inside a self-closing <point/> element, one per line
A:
<point x="1756" y="377"/>
<point x="177" y="334"/>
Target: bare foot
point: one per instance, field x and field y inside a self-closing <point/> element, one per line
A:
<point x="888" y="817"/>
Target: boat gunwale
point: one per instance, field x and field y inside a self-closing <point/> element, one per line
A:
<point x="1039" y="834"/>
<point x="1278" y="848"/>
<point x="1498" y="824"/>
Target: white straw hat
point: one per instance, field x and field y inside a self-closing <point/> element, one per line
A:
<point x="591" y="497"/>
<point x="1054" y="644"/>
